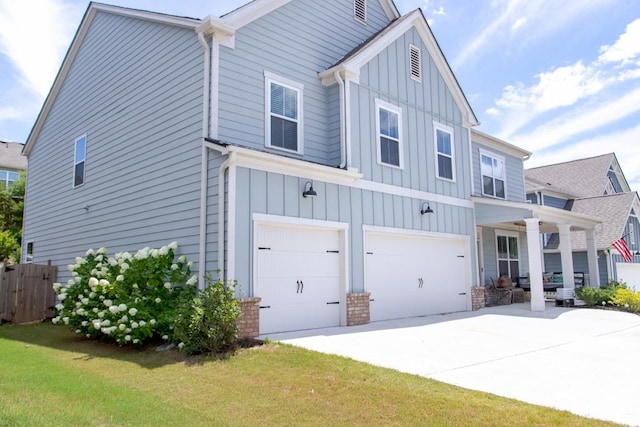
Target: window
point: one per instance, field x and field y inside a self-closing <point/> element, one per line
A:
<point x="415" y="63"/>
<point x="508" y="255"/>
<point x="7" y="178"/>
<point x="79" y="160"/>
<point x="28" y="254"/>
<point x="443" y="136"/>
<point x="360" y="10"/>
<point x="284" y="114"/>
<point x="389" y="134"/>
<point x="493" y="175"/>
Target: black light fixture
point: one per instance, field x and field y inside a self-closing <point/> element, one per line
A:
<point x="309" y="192"/>
<point x="428" y="210"/>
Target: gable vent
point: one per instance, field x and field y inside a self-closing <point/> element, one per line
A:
<point x="360" y="10"/>
<point x="415" y="64"/>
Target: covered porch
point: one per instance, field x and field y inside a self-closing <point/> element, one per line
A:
<point x="510" y="243"/>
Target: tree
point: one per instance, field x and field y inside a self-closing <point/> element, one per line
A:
<point x="11" y="214"/>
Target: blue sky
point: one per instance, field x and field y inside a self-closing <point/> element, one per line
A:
<point x="559" y="78"/>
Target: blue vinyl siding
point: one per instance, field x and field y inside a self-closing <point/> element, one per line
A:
<point x="554" y="202"/>
<point x="514" y="173"/>
<point x="387" y="77"/>
<point x="277" y="194"/>
<point x="142" y="115"/>
<point x="296" y="42"/>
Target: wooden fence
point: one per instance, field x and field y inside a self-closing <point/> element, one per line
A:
<point x="26" y="292"/>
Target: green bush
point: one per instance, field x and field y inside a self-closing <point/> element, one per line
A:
<point x="127" y="298"/>
<point x="208" y="324"/>
<point x="627" y="298"/>
<point x="596" y="296"/>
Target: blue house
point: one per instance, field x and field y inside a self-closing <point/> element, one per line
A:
<point x="594" y="186"/>
<point x="320" y="153"/>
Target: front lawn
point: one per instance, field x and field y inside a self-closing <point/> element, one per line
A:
<point x="52" y="377"/>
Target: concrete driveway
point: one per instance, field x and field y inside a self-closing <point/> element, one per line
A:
<point x="586" y="361"/>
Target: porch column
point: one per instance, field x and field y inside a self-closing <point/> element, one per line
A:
<point x="566" y="256"/>
<point x="535" y="264"/>
<point x="592" y="258"/>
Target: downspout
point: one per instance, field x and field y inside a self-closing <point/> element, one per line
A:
<point x="204" y="159"/>
<point x="221" y="209"/>
<point x="347" y="119"/>
<point x="343" y="145"/>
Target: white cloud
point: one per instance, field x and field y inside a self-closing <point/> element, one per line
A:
<point x="493" y="112"/>
<point x="577" y="122"/>
<point x="519" y="23"/>
<point x="34" y="35"/>
<point x="439" y="11"/>
<point x="626" y="48"/>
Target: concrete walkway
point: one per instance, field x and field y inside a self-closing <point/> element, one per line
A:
<point x="586" y="361"/>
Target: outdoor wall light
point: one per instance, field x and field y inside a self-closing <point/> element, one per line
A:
<point x="428" y="210"/>
<point x="309" y="192"/>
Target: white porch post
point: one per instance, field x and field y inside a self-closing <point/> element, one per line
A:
<point x="535" y="264"/>
<point x="592" y="258"/>
<point x="566" y="256"/>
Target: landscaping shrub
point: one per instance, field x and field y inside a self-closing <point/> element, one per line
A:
<point x="126" y="298"/>
<point x="627" y="298"/>
<point x="208" y="323"/>
<point x="596" y="296"/>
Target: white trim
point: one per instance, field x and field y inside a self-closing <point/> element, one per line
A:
<point x="493" y="156"/>
<point x="414" y="48"/>
<point x="231" y="223"/>
<point x="341" y="227"/>
<point x="498" y="144"/>
<point x="479" y="238"/>
<point x="437" y="126"/>
<point x="507" y="233"/>
<point x="382" y="105"/>
<point x="413" y="233"/>
<point x="76" y="162"/>
<point x="251" y="11"/>
<point x="299" y="120"/>
<point x="269" y="162"/>
<point x="148" y="16"/>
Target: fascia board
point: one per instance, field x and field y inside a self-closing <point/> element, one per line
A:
<point x="390" y="9"/>
<point x="148" y="16"/>
<point x="498" y="144"/>
<point x="252" y="11"/>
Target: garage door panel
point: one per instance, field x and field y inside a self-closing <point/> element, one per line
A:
<point x="413" y="276"/>
<point x="292" y="264"/>
<point x="630" y="274"/>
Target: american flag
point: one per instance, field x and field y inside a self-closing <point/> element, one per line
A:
<point x="622" y="248"/>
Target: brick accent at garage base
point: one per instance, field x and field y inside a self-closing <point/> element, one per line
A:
<point x="249" y="321"/>
<point x="358" y="309"/>
<point x="477" y="298"/>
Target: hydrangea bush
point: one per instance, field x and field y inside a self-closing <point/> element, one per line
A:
<point x="127" y="298"/>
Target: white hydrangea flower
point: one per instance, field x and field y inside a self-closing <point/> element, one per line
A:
<point x="182" y="259"/>
<point x="190" y="264"/>
<point x="95" y="309"/>
<point x="94" y="272"/>
<point x="104" y="271"/>
<point x="81" y="312"/>
<point x="122" y="307"/>
<point x="90" y="252"/>
<point x="92" y="295"/>
<point x="71" y="267"/>
<point x="113" y="309"/>
<point x="193" y="280"/>
<point x="158" y="300"/>
<point x="105" y="322"/>
<point x="173" y="245"/>
<point x="136" y="341"/>
<point x="124" y="319"/>
<point x="181" y="345"/>
<point x="77" y="279"/>
<point x="65" y="320"/>
<point x="100" y="258"/>
<point x="62" y="296"/>
<point x="124" y="267"/>
<point x="85" y="301"/>
<point x="96" y="324"/>
<point x="167" y="285"/>
<point x="122" y="327"/>
<point x="78" y="331"/>
<point x="127" y="337"/>
<point x="165" y="337"/>
<point x="152" y="322"/>
<point x="154" y="253"/>
<point x="128" y="330"/>
<point x="79" y="261"/>
<point x="126" y="255"/>
<point x="93" y="282"/>
<point x="120" y="278"/>
<point x="102" y="250"/>
<point x="133" y="311"/>
<point x="57" y="286"/>
<point x="134" y="325"/>
<point x="55" y="320"/>
<point x="84" y="323"/>
<point x="113" y="262"/>
<point x="101" y="314"/>
<point x="59" y="306"/>
<point x="107" y="303"/>
<point x="142" y="253"/>
<point x="163" y="250"/>
<point x="174" y="267"/>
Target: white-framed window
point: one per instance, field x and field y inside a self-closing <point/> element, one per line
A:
<point x="79" y="161"/>
<point x="28" y="252"/>
<point x="283" y="108"/>
<point x="360" y="10"/>
<point x="7" y="178"/>
<point x="445" y="153"/>
<point x="415" y="63"/>
<point x="508" y="254"/>
<point x="494" y="173"/>
<point x="389" y="134"/>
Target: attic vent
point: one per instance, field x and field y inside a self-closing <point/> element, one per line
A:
<point x="415" y="63"/>
<point x="360" y="10"/>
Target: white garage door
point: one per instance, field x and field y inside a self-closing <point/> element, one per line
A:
<point x="630" y="274"/>
<point x="414" y="276"/>
<point x="298" y="278"/>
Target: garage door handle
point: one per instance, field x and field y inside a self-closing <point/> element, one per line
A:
<point x="335" y="302"/>
<point x="462" y="293"/>
<point x="265" y="306"/>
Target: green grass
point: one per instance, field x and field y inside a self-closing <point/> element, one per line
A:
<point x="51" y="377"/>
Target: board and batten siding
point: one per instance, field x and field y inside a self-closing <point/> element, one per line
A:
<point x="278" y="194"/>
<point x="490" y="253"/>
<point x="387" y="77"/>
<point x="296" y="42"/>
<point x="135" y="90"/>
<point x="213" y="213"/>
<point x="515" y="189"/>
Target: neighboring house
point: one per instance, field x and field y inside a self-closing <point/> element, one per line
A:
<point x="319" y="153"/>
<point x="11" y="163"/>
<point x="597" y="187"/>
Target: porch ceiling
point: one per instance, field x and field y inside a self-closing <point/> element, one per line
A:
<point x="510" y="215"/>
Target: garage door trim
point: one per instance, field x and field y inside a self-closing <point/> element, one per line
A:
<point x="302" y="223"/>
